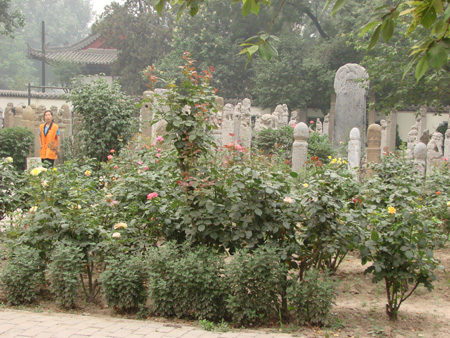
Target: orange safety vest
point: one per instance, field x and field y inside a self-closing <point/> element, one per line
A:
<point x="49" y="142"/>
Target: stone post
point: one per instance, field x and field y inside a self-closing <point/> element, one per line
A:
<point x="227" y="124"/>
<point x="447" y="145"/>
<point x="350" y="100"/>
<point x="384" y="136"/>
<point x="38" y="119"/>
<point x="372" y="111"/>
<point x="420" y="158"/>
<point x="28" y="122"/>
<point x="300" y="147"/>
<point x="66" y="122"/>
<point x="146" y="115"/>
<point x="331" y="116"/>
<point x="354" y="149"/>
<point x="422" y="120"/>
<point x="412" y="141"/>
<point x="392" y="130"/>
<point x="8" y="116"/>
<point x="373" y="143"/>
<point x="326" y="125"/>
<point x="245" y="130"/>
<point x="18" y="116"/>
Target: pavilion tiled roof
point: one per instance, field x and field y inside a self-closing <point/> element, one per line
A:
<point x="38" y="95"/>
<point x="87" y="51"/>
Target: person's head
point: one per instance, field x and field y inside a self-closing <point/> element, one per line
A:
<point x="48" y="116"/>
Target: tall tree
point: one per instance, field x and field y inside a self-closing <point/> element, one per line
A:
<point x="141" y="36"/>
<point x="10" y="19"/>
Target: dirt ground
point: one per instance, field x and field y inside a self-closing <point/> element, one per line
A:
<point x="359" y="310"/>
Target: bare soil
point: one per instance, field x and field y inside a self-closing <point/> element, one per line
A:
<point x="359" y="311"/>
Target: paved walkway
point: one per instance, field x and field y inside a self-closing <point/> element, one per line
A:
<point x="25" y="324"/>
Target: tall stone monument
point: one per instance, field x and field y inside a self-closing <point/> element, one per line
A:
<point x="447" y="145"/>
<point x="300" y="147"/>
<point x="350" y="86"/>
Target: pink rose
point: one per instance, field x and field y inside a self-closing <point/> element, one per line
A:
<point x="139" y="163"/>
<point x="110" y="157"/>
<point x="152" y="195"/>
<point x="158" y="155"/>
<point x="159" y="139"/>
<point x="116" y="167"/>
<point x="158" y="150"/>
<point x="145" y="168"/>
<point x="112" y="151"/>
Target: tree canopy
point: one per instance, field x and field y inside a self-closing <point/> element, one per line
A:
<point x="10" y="20"/>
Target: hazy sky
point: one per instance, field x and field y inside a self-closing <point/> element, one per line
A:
<point x="99" y="5"/>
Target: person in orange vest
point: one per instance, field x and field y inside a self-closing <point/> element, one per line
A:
<point x="49" y="139"/>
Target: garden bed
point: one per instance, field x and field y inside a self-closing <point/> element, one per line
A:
<point x="359" y="310"/>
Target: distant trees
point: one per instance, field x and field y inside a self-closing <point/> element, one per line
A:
<point x="66" y="22"/>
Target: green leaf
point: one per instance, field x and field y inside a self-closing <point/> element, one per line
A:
<point x="258" y="211"/>
<point x="194" y="10"/>
<point x="264" y="52"/>
<point x="421" y="68"/>
<point x="438" y="6"/>
<point x="158" y="5"/>
<point x="201" y="227"/>
<point x="338" y="5"/>
<point x="255" y="7"/>
<point x="367" y="27"/>
<point x="437" y="56"/>
<point x="428" y="18"/>
<point x="293" y="174"/>
<point x="388" y="29"/>
<point x="246" y="7"/>
<point x="374" y="236"/>
<point x="374" y="38"/>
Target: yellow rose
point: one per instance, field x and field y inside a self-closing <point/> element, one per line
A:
<point x="392" y="210"/>
<point x="87" y="173"/>
<point x="120" y="226"/>
<point x="306" y="185"/>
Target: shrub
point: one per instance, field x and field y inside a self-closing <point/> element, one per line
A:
<point x="402" y="234"/>
<point x="16" y="142"/>
<point x="275" y="141"/>
<point x="123" y="283"/>
<point x="10" y="187"/>
<point x="312" y="298"/>
<point x="331" y="222"/>
<point x="186" y="282"/>
<point x="107" y="118"/>
<point x="64" y="270"/>
<point x="22" y="275"/>
<point x="255" y="282"/>
<point x="320" y="146"/>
